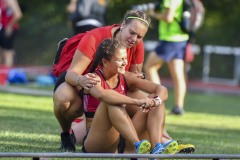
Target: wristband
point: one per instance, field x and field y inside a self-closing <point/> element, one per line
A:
<point x="158" y="98"/>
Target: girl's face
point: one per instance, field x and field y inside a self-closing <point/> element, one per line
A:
<point x="133" y="32"/>
<point x="118" y="62"/>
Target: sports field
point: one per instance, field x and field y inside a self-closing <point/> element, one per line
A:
<point x="211" y="123"/>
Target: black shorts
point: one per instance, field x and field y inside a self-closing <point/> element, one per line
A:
<point x="7" y="42"/>
<point x="60" y="80"/>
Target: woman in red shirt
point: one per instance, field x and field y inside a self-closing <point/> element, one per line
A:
<point x="67" y="102"/>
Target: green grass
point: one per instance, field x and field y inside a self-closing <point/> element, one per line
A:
<point x="211" y="123"/>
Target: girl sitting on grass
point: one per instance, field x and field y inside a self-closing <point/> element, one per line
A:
<point x="108" y="107"/>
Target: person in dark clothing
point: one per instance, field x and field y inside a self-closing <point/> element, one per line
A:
<point x="86" y="15"/>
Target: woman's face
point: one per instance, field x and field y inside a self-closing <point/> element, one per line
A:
<point x="118" y="62"/>
<point x="133" y="32"/>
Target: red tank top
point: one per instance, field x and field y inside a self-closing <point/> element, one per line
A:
<point x="6" y="15"/>
<point x="90" y="103"/>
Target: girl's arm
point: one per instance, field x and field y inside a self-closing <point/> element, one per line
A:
<point x="112" y="97"/>
<point x="147" y="86"/>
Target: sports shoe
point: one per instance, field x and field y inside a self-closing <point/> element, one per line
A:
<point x="177" y="110"/>
<point x="167" y="148"/>
<point x="158" y="149"/>
<point x="185" y="148"/>
<point x="66" y="143"/>
<point x="142" y="147"/>
<point x="170" y="147"/>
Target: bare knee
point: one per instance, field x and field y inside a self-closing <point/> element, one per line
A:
<point x="66" y="98"/>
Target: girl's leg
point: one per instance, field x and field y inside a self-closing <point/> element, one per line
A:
<point x="155" y="124"/>
<point x="66" y="105"/>
<point x="9" y="57"/>
<point x="108" y="122"/>
<point x="152" y="65"/>
<point x="152" y="123"/>
<point x="132" y="110"/>
<point x="176" y="67"/>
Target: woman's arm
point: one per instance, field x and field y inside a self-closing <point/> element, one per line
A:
<point x="145" y="85"/>
<point x="110" y="96"/>
<point x="74" y="74"/>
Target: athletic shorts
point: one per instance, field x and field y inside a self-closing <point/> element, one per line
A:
<point x="7" y="42"/>
<point x="171" y="50"/>
<point x="60" y="80"/>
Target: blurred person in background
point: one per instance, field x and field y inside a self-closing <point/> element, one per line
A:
<point x="86" y="15"/>
<point x="171" y="49"/>
<point x="10" y="15"/>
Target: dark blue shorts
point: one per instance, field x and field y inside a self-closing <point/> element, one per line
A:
<point x="171" y="50"/>
<point x="7" y="42"/>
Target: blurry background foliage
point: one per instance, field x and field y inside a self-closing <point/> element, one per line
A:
<point x="46" y="22"/>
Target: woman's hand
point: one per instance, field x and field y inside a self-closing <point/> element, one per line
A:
<point x="146" y="104"/>
<point x="157" y="102"/>
<point x="88" y="81"/>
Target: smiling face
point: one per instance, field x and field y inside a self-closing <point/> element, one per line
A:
<point x="133" y="32"/>
<point x="118" y="62"/>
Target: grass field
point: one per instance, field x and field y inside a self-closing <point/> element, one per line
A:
<point x="211" y="123"/>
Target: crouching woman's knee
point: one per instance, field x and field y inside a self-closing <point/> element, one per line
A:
<point x="64" y="97"/>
